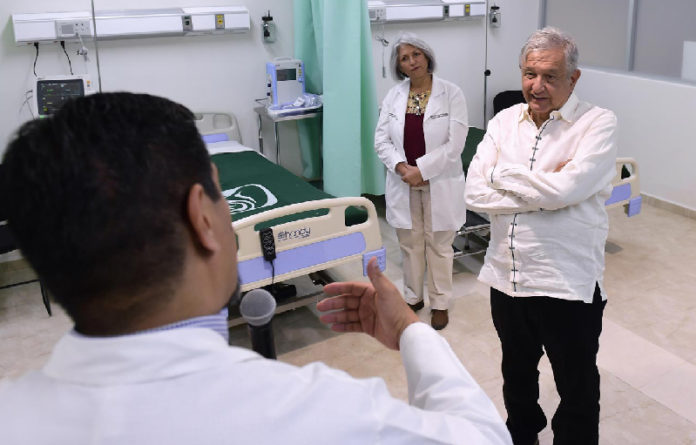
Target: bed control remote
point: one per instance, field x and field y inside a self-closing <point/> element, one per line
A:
<point x="267" y="244"/>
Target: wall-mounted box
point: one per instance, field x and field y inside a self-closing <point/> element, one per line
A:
<point x="388" y="11"/>
<point x="218" y="20"/>
<point x="458" y="10"/>
<point x="139" y="23"/>
<point x="41" y="27"/>
<point x="132" y="23"/>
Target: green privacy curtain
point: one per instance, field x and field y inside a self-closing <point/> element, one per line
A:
<point x="333" y="39"/>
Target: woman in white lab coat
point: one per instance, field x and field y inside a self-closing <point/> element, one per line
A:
<point x="420" y="136"/>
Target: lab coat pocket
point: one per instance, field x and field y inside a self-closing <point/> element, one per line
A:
<point x="436" y="128"/>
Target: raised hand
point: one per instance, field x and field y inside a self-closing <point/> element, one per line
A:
<point x="375" y="308"/>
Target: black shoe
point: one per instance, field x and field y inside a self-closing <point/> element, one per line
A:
<point x="416" y="307"/>
<point x="439" y="319"/>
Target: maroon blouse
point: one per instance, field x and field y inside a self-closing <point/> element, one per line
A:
<point x="414" y="140"/>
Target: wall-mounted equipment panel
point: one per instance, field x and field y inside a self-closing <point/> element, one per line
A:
<point x="30" y="28"/>
<point x="132" y="23"/>
<point x="395" y="11"/>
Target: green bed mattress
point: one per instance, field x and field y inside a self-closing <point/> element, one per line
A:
<point x="252" y="184"/>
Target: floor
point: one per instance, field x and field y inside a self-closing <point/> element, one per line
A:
<point x="647" y="356"/>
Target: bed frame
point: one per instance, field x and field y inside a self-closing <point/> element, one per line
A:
<point x="216" y="127"/>
<point x="307" y="245"/>
<point x="626" y="190"/>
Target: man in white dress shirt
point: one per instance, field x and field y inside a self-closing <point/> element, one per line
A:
<point x="543" y="172"/>
<point x="116" y="205"/>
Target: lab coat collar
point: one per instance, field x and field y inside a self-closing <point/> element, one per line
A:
<point x="568" y="112"/>
<point x="130" y="359"/>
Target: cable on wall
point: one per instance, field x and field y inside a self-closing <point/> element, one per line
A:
<point x="384" y="43"/>
<point x="62" y="45"/>
<point x="36" y="45"/>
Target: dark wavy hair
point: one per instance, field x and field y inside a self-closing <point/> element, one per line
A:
<point x="95" y="196"/>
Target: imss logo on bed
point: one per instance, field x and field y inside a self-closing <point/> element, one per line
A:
<point x="249" y="197"/>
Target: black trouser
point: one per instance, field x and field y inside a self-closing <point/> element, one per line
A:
<point x="569" y="332"/>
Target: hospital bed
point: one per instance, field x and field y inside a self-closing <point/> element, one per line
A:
<point x="626" y="191"/>
<point x="311" y="230"/>
<point x="473" y="236"/>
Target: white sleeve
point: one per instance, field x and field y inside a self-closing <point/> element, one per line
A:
<point x="480" y="195"/>
<point x="385" y="148"/>
<point x="447" y="405"/>
<point x="591" y="170"/>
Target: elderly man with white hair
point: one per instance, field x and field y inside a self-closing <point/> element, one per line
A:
<point x="543" y="172"/>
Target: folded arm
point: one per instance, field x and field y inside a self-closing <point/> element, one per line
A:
<point x="590" y="170"/>
<point x="480" y="195"/>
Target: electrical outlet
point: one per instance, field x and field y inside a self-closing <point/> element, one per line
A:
<point x="70" y="28"/>
<point x="187" y="23"/>
<point x="219" y="21"/>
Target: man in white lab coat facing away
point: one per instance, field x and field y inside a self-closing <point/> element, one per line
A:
<point x="114" y="202"/>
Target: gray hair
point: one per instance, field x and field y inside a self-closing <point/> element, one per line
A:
<point x="552" y="38"/>
<point x="408" y="38"/>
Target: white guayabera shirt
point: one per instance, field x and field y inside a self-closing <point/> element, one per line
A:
<point x="548" y="229"/>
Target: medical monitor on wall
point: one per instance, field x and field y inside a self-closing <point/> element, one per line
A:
<point x="52" y="92"/>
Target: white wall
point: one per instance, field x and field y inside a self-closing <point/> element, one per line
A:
<point x="661" y="29"/>
<point x="519" y="20"/>
<point x="205" y="73"/>
<point x="604" y="43"/>
<point x="656" y="127"/>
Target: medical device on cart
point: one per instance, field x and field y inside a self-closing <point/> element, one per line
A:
<point x="285" y="81"/>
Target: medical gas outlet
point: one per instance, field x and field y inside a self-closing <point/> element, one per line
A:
<point x="268" y="28"/>
<point x="71" y="28"/>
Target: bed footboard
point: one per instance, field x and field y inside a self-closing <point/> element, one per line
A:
<point x="626" y="184"/>
<point x="309" y="244"/>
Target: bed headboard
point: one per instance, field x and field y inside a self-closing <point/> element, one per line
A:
<point x="218" y="124"/>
